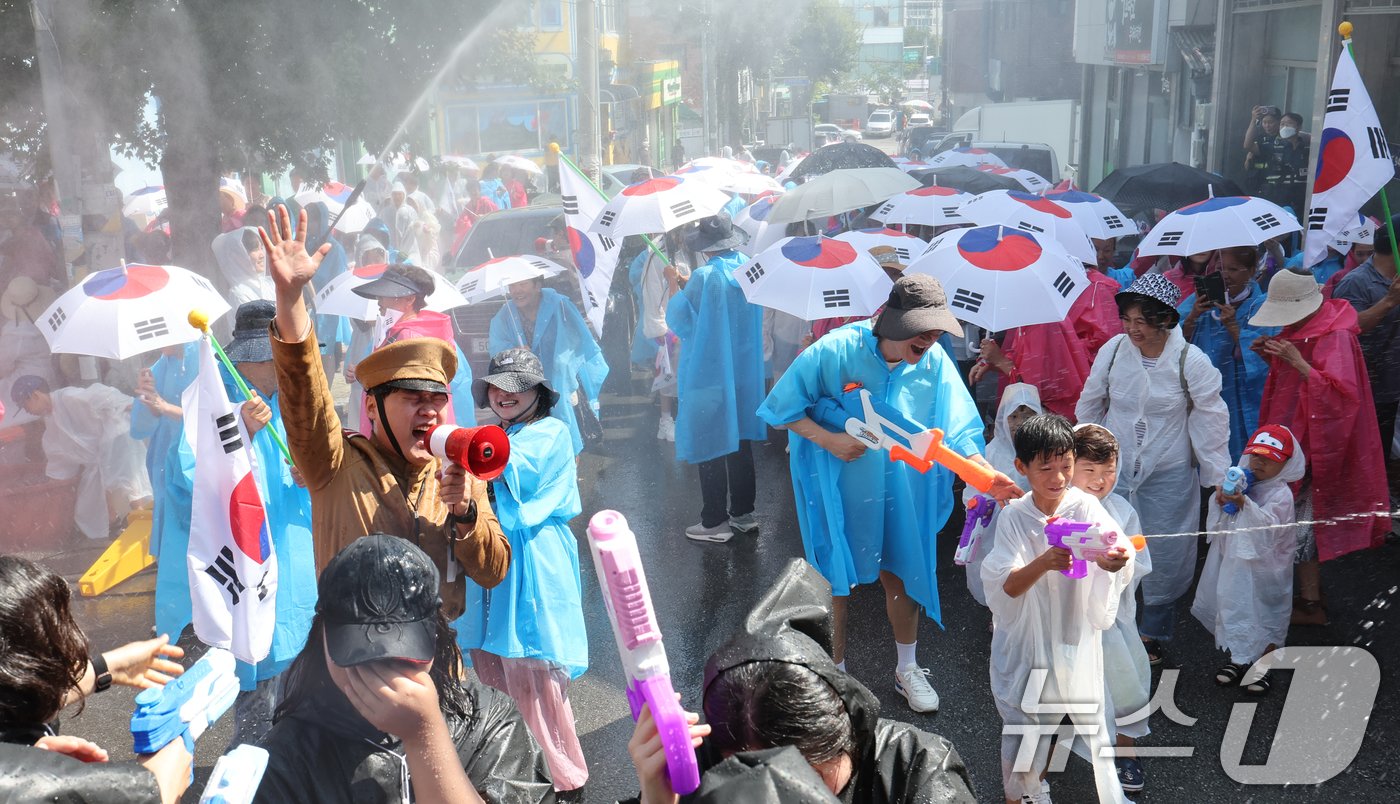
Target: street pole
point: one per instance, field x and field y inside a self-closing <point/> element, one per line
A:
<point x="60" y="136"/>
<point x="586" y="34"/>
<point x="706" y="95"/>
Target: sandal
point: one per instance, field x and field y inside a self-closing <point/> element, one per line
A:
<point x="1154" y="651"/>
<point x="1308" y="612"/>
<point x="1259" y="687"/>
<point x="1229" y="675"/>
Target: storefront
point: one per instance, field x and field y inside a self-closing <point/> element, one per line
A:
<point x="502" y="121"/>
<point x="660" y="85"/>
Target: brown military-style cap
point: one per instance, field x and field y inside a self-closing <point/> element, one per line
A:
<point x="415" y="364"/>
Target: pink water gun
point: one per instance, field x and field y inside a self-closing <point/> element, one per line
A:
<point x="628" y="601"/>
<point x="1086" y="541"/>
<point x="979" y="512"/>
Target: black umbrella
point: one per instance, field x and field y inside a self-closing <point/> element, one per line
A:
<point x="841" y="155"/>
<point x="967" y="179"/>
<point x="1167" y="186"/>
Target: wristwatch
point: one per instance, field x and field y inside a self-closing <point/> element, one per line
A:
<point x="103" y="677"/>
<point x="468" y="519"/>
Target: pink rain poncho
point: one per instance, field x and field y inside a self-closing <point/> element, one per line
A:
<point x="1095" y="313"/>
<point x="1053" y="359"/>
<point x="1333" y="416"/>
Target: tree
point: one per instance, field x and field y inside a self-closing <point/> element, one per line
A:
<point x="824" y="42"/>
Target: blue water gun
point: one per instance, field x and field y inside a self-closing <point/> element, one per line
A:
<point x="1237" y="481"/>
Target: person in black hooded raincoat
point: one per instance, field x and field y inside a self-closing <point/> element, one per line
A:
<point x="787" y="638"/>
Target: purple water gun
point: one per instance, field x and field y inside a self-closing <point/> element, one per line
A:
<point x="628" y="601"/>
<point x="979" y="512"/>
<point x="1086" y="541"/>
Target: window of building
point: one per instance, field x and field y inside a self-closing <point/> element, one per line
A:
<point x="550" y="14"/>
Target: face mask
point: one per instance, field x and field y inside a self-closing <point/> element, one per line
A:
<point x="1287" y="132"/>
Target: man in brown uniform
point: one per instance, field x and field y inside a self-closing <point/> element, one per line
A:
<point x="388" y="481"/>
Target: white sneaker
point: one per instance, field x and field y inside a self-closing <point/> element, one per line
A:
<point x="666" y="429"/>
<point x="911" y="681"/>
<point x="745" y="523"/>
<point x="719" y="534"/>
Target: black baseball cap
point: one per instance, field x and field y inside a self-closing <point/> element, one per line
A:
<point x="378" y="599"/>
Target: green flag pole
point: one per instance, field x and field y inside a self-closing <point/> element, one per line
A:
<point x="201" y="322"/>
<point x="563" y="158"/>
<point x="1345" y="30"/>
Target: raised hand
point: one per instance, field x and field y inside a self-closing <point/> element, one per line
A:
<point x="287" y="261"/>
<point x="144" y="664"/>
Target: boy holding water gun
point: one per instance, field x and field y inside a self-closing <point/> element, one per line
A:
<point x="1245" y="593"/>
<point x="1050" y="605"/>
<point x="1127" y="670"/>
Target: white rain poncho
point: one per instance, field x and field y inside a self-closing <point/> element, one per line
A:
<point x="1162" y="445"/>
<point x="245" y="282"/>
<point x="1055" y="626"/>
<point x="1126" y="668"/>
<point x="1245" y="596"/>
<point x="88" y="436"/>
<point x="1001" y="454"/>
<point x="406" y="229"/>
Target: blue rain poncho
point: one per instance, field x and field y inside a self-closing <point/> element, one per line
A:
<point x="572" y="360"/>
<point x="288" y="509"/>
<point x="873" y="514"/>
<point x="172" y="376"/>
<point x="335" y="263"/>
<point x="536" y="612"/>
<point x="720" y="380"/>
<point x="1242" y="370"/>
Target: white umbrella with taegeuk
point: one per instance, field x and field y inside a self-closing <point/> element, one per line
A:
<point x="1096" y="215"/>
<point x="1030" y="213"/>
<point x="926" y="206"/>
<point x="1029" y="179"/>
<point x="753" y="219"/>
<point x="1217" y="223"/>
<point x="997" y="277"/>
<point x="658" y="205"/>
<point x="905" y="245"/>
<point x="493" y="277"/>
<point x="130" y="310"/>
<point x="971" y="157"/>
<point x="815" y="278"/>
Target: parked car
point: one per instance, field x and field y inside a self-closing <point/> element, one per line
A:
<point x="920" y="142"/>
<point x="917" y="119"/>
<point x="615" y="177"/>
<point x="880" y="123"/>
<point x="1036" y="157"/>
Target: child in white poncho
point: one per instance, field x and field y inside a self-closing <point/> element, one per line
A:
<point x="1019" y="402"/>
<point x="1127" y="672"/>
<point x="1245" y="594"/>
<point x="1047" y="645"/>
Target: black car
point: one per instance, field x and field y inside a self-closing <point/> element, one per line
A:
<point x="920" y="141"/>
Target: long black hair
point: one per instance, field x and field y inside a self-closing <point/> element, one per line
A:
<point x="767" y="704"/>
<point x="43" y="653"/>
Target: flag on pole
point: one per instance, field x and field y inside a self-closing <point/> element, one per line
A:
<point x="233" y="572"/>
<point x="595" y="256"/>
<point x="1353" y="159"/>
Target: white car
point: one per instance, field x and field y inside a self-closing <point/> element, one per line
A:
<point x="881" y="123"/>
<point x="917" y="119"/>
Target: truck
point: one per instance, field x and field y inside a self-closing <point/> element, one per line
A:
<point x="847" y="111"/>
<point x="1053" y="124"/>
<point x="790" y="131"/>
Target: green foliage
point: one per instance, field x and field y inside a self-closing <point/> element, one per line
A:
<point x="824" y="42"/>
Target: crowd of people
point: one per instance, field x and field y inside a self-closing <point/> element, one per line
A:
<point x="398" y="569"/>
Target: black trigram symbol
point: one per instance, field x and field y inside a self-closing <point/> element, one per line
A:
<point x="151" y="328"/>
<point x="682" y="208"/>
<point x="1380" y="149"/>
<point x="836" y="298"/>
<point x="592" y="300"/>
<point x="951" y="212"/>
<point x="1337" y="100"/>
<point x="755" y="271"/>
<point x="468" y="286"/>
<point x="1170" y="238"/>
<point x="227" y="426"/>
<point x="540" y="264"/>
<point x="607" y="243"/>
<point x="607" y="219"/>
<point x="886" y="209"/>
<point x="903" y="253"/>
<point x="1317" y="219"/>
<point x="1114" y="222"/>
<point x="1027" y="226"/>
<point x="204" y="283"/>
<point x="968" y="300"/>
<point x="1064" y="284"/>
<point x="56" y="320"/>
<point x="225" y="575"/>
<point x="1266" y="221"/>
<point x="570" y="205"/>
<point x="262" y="587"/>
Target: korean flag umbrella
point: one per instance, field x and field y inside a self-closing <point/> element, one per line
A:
<point x="925" y="206"/>
<point x="491" y="278"/>
<point x="815" y="278"/>
<point x="971" y="157"/>
<point x="1029" y="179"/>
<point x="1096" y="215"/>
<point x="658" y="205"/>
<point x="1216" y="223"/>
<point x="126" y="311"/>
<point x="1030" y="213"/>
<point x="999" y="278"/>
<point x="146" y="203"/>
<point x="905" y="245"/>
<point x="338" y="296"/>
<point x="753" y="219"/>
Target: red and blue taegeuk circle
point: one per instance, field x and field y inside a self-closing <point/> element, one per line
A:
<point x="1073" y="197"/>
<point x="1039" y="203"/>
<point x="1213" y="205"/>
<point x="819" y="252"/>
<point x="935" y="190"/>
<point x="881" y="231"/>
<point x="997" y="248"/>
<point x="582" y="247"/>
<point x="248" y="520"/>
<point x="1336" y="155"/>
<point x="372" y="271"/>
<point x="651" y="186"/>
<point x="131" y="282"/>
<point x="760" y="209"/>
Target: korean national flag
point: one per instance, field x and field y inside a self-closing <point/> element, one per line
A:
<point x="595" y="255"/>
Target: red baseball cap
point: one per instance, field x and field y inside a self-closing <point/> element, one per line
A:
<point x="1273" y="441"/>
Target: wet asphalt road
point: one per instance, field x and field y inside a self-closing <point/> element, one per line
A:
<point x="702" y="591"/>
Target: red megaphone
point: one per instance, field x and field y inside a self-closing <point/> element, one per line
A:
<point x="483" y="451"/>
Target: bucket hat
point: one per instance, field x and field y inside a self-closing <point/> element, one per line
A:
<point x="250" y="342"/>
<point x="917" y="304"/>
<point x="716" y="233"/>
<point x="1152" y="288"/>
<point x="513" y="371"/>
<point x="1291" y="298"/>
